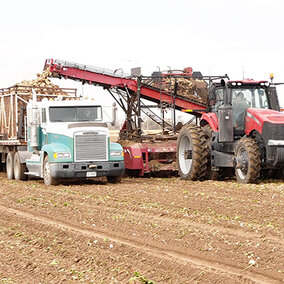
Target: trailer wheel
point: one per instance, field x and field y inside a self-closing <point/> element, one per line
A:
<point x="248" y="162"/>
<point x="192" y="153"/>
<point x="114" y="179"/>
<point x="10" y="165"/>
<point x="47" y="177"/>
<point x="19" y="168"/>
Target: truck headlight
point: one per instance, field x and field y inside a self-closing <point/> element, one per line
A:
<point x="116" y="153"/>
<point x="61" y="155"/>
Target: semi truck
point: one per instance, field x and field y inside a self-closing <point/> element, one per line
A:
<point x="55" y="137"/>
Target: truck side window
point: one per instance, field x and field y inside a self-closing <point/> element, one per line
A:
<point x="43" y="115"/>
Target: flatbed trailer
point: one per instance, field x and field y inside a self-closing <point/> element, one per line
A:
<point x="51" y="133"/>
<point x="13" y="113"/>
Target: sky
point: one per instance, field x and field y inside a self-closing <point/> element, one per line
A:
<point x="243" y="39"/>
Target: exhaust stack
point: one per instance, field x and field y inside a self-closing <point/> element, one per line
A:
<point x="34" y="124"/>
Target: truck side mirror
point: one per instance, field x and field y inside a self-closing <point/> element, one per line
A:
<point x="114" y="112"/>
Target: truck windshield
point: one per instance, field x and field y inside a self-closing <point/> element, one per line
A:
<point x="73" y="114"/>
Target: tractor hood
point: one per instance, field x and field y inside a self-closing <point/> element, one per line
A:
<point x="265" y="115"/>
<point x="258" y="119"/>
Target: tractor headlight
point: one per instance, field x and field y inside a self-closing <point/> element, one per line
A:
<point x="116" y="153"/>
<point x="60" y="155"/>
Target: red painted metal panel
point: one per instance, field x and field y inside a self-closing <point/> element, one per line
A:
<point x="212" y="119"/>
<point x="256" y="117"/>
<point x="109" y="81"/>
<point x="133" y="157"/>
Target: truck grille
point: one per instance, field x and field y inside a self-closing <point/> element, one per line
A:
<point x="90" y="147"/>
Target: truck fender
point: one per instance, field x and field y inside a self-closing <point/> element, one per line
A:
<point x="53" y="148"/>
<point x="24" y="155"/>
<point x="115" y="147"/>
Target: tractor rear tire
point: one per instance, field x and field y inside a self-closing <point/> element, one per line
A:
<point x="19" y="168"/>
<point x="10" y="165"/>
<point x="210" y="173"/>
<point x="192" y="153"/>
<point x="248" y="153"/>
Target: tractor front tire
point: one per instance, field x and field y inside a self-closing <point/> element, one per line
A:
<point x="210" y="173"/>
<point x="192" y="153"/>
<point x="248" y="162"/>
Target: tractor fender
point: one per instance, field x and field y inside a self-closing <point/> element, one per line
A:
<point x="211" y="119"/>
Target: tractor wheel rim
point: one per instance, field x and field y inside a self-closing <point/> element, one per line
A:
<point x="243" y="171"/>
<point x="185" y="163"/>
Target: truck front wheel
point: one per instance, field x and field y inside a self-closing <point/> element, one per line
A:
<point x="114" y="179"/>
<point x="248" y="162"/>
<point x="47" y="176"/>
<point x="19" y="168"/>
<point x="10" y="165"/>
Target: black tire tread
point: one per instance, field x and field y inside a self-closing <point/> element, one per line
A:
<point x="114" y="179"/>
<point x="199" y="152"/>
<point x="254" y="165"/>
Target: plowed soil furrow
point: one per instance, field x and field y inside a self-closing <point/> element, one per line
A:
<point x="169" y="230"/>
<point x="230" y="272"/>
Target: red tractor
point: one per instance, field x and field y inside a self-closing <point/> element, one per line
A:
<point x="242" y="132"/>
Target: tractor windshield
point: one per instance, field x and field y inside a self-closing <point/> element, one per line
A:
<point x="243" y="98"/>
<point x="254" y="97"/>
<point x="73" y="114"/>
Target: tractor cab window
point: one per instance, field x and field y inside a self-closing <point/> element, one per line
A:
<point x="243" y="98"/>
<point x="218" y="101"/>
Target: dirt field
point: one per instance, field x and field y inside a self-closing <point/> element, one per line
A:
<point x="141" y="231"/>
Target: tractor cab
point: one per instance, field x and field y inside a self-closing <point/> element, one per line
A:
<point x="242" y="131"/>
<point x="242" y="95"/>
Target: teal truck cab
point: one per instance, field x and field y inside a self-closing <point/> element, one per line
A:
<point x="65" y="138"/>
